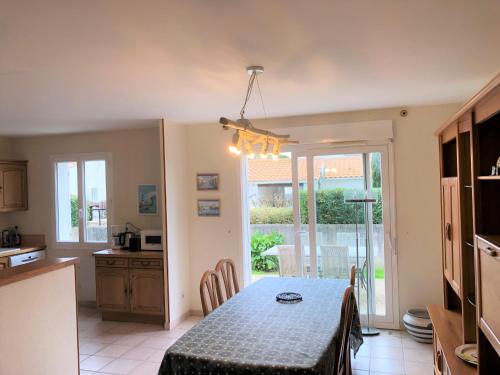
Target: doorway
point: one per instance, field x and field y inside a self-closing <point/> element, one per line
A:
<point x="302" y="220"/>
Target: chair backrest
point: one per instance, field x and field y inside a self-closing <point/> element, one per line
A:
<point x="353" y="275"/>
<point x="227" y="269"/>
<point x="210" y="286"/>
<point x="287" y="260"/>
<point x="335" y="261"/>
<point x="343" y="352"/>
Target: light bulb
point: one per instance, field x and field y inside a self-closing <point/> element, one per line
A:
<point x="251" y="155"/>
<point x="263" y="156"/>
<point x="234" y="150"/>
<point x="275" y="157"/>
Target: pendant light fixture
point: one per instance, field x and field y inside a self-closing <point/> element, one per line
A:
<point x="248" y="139"/>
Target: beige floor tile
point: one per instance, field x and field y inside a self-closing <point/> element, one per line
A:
<point x="120" y="366"/>
<point x="157" y="343"/>
<point x="105" y="338"/>
<point x="360" y="372"/>
<point x="139" y="353"/>
<point x="385" y="340"/>
<point x="146" y="368"/>
<point x="95" y="363"/>
<point x="418" y="368"/>
<point x="157" y="356"/>
<point x="149" y="329"/>
<point x="173" y="334"/>
<point x="84" y="372"/>
<point x="364" y="351"/>
<point x="386" y="352"/>
<point x="131" y="340"/>
<point x="409" y="343"/>
<point x="418" y="355"/>
<point x="361" y="363"/>
<point x="391" y="366"/>
<point x="113" y="350"/>
<point x="89" y="348"/>
<point x="83" y="357"/>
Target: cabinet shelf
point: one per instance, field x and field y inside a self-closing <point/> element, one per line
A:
<point x="488" y="178"/>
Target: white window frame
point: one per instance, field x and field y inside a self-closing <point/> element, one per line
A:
<point x="80" y="159"/>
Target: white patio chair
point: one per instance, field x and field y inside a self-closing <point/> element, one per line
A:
<point x="287" y="261"/>
<point x="335" y="261"/>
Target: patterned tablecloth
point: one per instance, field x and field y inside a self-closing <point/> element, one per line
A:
<point x="253" y="334"/>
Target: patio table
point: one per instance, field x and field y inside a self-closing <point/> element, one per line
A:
<point x="253" y="334"/>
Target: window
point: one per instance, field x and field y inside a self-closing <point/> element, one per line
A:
<point x="82" y="198"/>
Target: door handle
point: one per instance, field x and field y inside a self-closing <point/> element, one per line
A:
<point x="448" y="231"/>
<point x="29" y="259"/>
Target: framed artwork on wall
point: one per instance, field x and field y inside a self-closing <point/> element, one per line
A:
<point x="207" y="181"/>
<point x="147" y="199"/>
<point x="208" y="207"/>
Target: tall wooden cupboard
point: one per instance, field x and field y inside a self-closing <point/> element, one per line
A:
<point x="469" y="146"/>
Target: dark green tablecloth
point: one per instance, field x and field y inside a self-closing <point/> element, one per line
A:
<point x="253" y="334"/>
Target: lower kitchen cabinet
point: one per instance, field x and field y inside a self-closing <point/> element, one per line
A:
<point x="112" y="289"/>
<point x="130" y="286"/>
<point x="146" y="286"/>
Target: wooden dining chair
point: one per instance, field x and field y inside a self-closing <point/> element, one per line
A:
<point x="287" y="260"/>
<point x="343" y="351"/>
<point x="353" y="275"/>
<point x="227" y="269"/>
<point x="210" y="286"/>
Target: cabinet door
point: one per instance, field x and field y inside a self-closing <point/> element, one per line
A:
<point x="4" y="263"/>
<point x="146" y="291"/>
<point x="13" y="188"/>
<point x="451" y="232"/>
<point x="456" y="236"/>
<point x="112" y="289"/>
<point x="447" y="244"/>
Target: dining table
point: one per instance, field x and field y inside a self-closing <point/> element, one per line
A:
<point x="253" y="333"/>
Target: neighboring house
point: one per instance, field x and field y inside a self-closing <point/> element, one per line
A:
<point x="270" y="182"/>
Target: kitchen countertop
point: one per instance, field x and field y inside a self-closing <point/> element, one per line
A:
<point x="129" y="254"/>
<point x="27" y="271"/>
<point x="21" y="250"/>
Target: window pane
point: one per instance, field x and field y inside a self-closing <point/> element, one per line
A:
<point x="96" y="223"/>
<point x="67" y="202"/>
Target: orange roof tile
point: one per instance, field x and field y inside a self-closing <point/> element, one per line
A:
<point x="265" y="170"/>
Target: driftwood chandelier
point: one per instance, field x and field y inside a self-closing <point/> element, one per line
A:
<point x="248" y="139"/>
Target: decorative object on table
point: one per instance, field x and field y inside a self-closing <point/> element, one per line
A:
<point x="498" y="166"/>
<point x="247" y="137"/>
<point x="208" y="207"/>
<point x="289" y="297"/>
<point x="207" y="181"/>
<point x="467" y="353"/>
<point x="418" y="325"/>
<point x="147" y="199"/>
<point x="494" y="171"/>
<point x="368" y="330"/>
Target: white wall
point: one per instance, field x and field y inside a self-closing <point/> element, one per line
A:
<point x="417" y="197"/>
<point x="136" y="159"/>
<point x="177" y="219"/>
<point x="39" y="325"/>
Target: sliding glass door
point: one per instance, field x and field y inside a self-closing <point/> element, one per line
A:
<point x="316" y="212"/>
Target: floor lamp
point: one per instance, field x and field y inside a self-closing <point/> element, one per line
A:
<point x="368" y="330"/>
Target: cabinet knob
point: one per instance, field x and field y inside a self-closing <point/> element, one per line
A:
<point x="491" y="252"/>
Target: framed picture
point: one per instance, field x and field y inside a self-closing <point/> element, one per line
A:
<point x="207" y="181"/>
<point x="208" y="207"/>
<point x="147" y="200"/>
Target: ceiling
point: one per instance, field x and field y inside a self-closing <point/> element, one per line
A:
<point x="68" y="66"/>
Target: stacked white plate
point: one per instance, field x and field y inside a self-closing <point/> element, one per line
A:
<point x="418" y="324"/>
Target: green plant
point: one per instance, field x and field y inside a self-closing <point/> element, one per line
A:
<point x="261" y="242"/>
<point x="74" y="211"/>
<point x="379" y="273"/>
<point x="271" y="215"/>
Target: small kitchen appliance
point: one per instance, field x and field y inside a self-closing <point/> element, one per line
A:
<point x="11" y="237"/>
<point x="151" y="239"/>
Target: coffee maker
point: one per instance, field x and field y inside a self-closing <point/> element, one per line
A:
<point x="11" y="237"/>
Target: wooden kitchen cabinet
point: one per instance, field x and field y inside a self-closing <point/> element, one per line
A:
<point x="112" y="289"/>
<point x="4" y="263"/>
<point x="130" y="286"/>
<point x="13" y="186"/>
<point x="146" y="291"/>
<point x="451" y="232"/>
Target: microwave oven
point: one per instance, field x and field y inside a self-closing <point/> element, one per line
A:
<point x="151" y="239"/>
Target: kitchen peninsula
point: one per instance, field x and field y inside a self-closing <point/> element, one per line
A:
<point x="47" y="311"/>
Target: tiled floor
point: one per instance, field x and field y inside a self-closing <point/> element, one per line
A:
<point x="132" y="348"/>
<point x="123" y="348"/>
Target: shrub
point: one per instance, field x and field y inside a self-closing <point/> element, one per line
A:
<point x="261" y="242"/>
<point x="330" y="209"/>
<point x="271" y="215"/>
